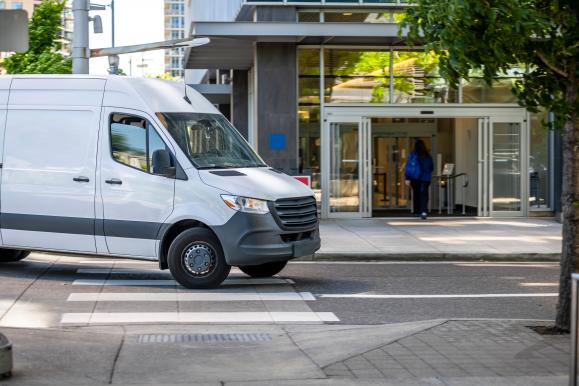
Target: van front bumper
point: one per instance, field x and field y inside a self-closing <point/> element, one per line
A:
<point x="253" y="239"/>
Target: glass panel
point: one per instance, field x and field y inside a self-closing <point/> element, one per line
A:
<point x="155" y="143"/>
<point x="357" y="16"/>
<point x="417" y="79"/>
<point x="310" y="143"/>
<point x="309" y="89"/>
<point x="129" y="140"/>
<point x="309" y="17"/>
<point x="390" y="154"/>
<point x="506" y="167"/>
<point x="392" y="141"/>
<point x="210" y="141"/>
<point x="475" y="90"/>
<point x="539" y="163"/>
<point x="357" y="76"/>
<point x="309" y="115"/>
<point x="344" y="168"/>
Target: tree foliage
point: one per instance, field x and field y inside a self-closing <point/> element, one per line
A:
<point x="493" y="36"/>
<point x="43" y="56"/>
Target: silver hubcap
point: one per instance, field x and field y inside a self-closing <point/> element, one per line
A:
<point x="199" y="259"/>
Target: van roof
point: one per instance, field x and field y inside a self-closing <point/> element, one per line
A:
<point x="146" y="94"/>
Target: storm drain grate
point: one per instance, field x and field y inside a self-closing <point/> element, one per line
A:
<point x="202" y="338"/>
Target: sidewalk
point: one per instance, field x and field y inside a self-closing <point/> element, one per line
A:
<point x="435" y="352"/>
<point x="471" y="238"/>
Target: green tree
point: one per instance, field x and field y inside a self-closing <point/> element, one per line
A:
<point x="491" y="36"/>
<point x="42" y="56"/>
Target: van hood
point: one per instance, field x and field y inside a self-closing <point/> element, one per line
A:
<point x="261" y="183"/>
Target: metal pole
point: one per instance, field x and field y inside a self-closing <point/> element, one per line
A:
<point x="440" y="195"/>
<point x="448" y="186"/>
<point x="573" y="368"/>
<point x="6" y="361"/>
<point x="80" y="47"/>
<point x="113" y="22"/>
<point x="464" y="194"/>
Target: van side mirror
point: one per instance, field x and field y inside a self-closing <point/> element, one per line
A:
<point x="162" y="164"/>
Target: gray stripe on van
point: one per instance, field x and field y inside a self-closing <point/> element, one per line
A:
<point x="81" y="226"/>
<point x="131" y="229"/>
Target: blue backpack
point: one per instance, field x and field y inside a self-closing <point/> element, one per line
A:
<point x="413" y="170"/>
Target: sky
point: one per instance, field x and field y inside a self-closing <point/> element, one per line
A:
<point x="136" y="22"/>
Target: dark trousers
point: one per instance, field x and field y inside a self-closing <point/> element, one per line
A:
<point x="420" y="196"/>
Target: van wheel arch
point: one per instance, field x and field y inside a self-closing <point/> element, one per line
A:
<point x="171" y="233"/>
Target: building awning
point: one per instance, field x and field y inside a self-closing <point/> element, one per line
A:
<point x="231" y="43"/>
<point x="219" y="94"/>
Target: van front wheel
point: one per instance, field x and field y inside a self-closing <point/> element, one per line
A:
<point x="196" y="259"/>
<point x="263" y="270"/>
<point x="11" y="255"/>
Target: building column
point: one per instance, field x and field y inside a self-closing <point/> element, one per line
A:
<point x="277" y="105"/>
<point x="239" y="102"/>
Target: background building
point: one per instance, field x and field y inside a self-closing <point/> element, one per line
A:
<point x="174" y="29"/>
<point x="27" y="5"/>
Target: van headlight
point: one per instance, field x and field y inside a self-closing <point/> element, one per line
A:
<point x="245" y="204"/>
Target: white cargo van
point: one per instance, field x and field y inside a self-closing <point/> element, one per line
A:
<point x="142" y="168"/>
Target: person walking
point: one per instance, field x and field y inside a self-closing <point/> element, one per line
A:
<point x="419" y="168"/>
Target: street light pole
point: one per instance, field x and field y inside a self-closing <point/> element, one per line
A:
<point x="80" y="48"/>
<point x="113" y="22"/>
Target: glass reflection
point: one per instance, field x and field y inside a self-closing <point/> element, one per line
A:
<point x="539" y="183"/>
<point x="309" y="114"/>
<point x="417" y="79"/>
<point x="507" y="167"/>
<point x="344" y="168"/>
<point x="357" y="76"/>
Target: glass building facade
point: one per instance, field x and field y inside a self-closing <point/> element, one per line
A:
<point x="403" y="77"/>
<point x="387" y="95"/>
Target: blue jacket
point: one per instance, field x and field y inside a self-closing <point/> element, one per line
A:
<point x="426" y="168"/>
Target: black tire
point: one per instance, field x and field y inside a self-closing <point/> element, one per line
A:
<point x="264" y="270"/>
<point x="196" y="259"/>
<point x="12" y="255"/>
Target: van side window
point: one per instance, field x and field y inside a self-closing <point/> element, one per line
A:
<point x="134" y="142"/>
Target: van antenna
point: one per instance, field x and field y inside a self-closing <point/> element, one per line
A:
<point x="185" y="92"/>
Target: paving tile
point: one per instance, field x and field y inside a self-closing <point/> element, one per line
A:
<point x="465" y="349"/>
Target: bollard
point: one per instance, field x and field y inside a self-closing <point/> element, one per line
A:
<point x="5" y="357"/>
<point x="574" y="321"/>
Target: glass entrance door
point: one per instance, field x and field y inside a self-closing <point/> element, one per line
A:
<point x="502" y="167"/>
<point x="390" y="195"/>
<point x="345" y="190"/>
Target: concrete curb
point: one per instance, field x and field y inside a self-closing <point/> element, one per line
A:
<point x="378" y="256"/>
<point x="5" y="357"/>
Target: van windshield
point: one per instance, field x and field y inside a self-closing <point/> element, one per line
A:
<point x="210" y="141"/>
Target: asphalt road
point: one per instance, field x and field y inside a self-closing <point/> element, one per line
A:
<point x="435" y="280"/>
<point x="65" y="291"/>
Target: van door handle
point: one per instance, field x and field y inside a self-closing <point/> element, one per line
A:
<point x="114" y="181"/>
<point x="81" y="179"/>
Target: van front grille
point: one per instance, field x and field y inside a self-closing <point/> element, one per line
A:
<point x="295" y="213"/>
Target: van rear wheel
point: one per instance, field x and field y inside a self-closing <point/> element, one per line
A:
<point x="196" y="259"/>
<point x="264" y="270"/>
<point x="12" y="255"/>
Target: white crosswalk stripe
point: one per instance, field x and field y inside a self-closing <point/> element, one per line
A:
<point x="198" y="317"/>
<point x="206" y="296"/>
<point x="172" y="283"/>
